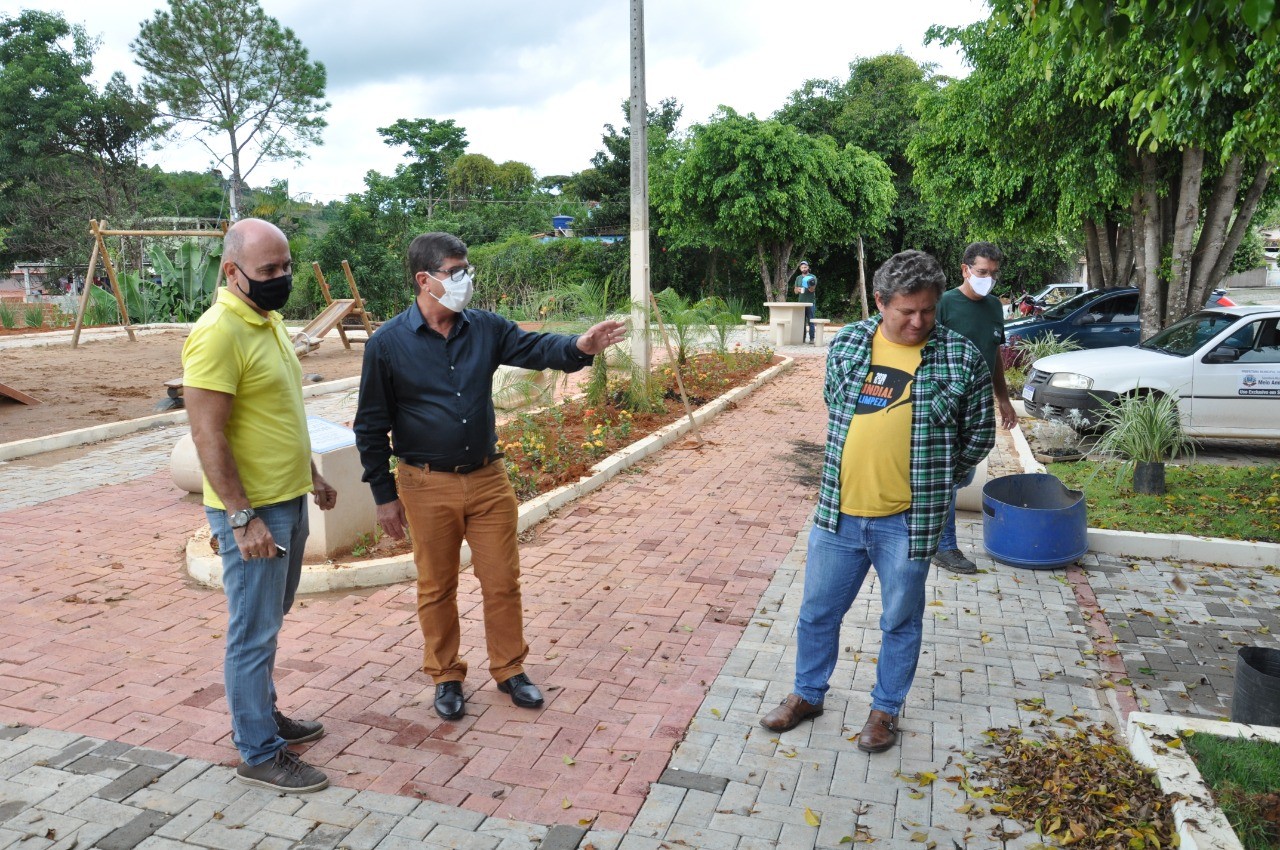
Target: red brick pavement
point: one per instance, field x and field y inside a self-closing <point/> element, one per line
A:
<point x="634" y="597"/>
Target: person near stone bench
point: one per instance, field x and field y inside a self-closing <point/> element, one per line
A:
<point x="427" y="382"/>
<point x="806" y="286"/>
<point x="910" y="414"/>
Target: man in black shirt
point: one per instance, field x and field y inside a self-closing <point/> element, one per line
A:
<point x="428" y="381"/>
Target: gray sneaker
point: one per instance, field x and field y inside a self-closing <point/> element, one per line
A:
<point x="297" y="731"/>
<point x="954" y="561"/>
<point x="284" y="772"/>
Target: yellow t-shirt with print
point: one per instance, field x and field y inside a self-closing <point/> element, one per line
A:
<point x="875" y="468"/>
<point x="234" y="350"/>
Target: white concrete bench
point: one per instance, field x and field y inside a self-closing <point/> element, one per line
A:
<point x="819" y="330"/>
<point x="781" y="331"/>
<point x="751" y="327"/>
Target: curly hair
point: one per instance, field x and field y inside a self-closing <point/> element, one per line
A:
<point x="907" y="273"/>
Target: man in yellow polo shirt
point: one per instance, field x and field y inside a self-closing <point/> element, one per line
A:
<point x="243" y="389"/>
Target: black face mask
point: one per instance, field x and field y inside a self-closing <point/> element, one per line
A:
<point x="269" y="294"/>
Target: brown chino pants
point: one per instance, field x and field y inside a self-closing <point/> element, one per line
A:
<point x="442" y="509"/>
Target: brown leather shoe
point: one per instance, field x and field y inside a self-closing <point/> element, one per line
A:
<point x="879" y="734"/>
<point x="790" y="714"/>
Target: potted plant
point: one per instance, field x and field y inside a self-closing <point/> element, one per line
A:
<point x="1143" y="431"/>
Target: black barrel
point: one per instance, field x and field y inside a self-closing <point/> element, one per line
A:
<point x="1257" y="695"/>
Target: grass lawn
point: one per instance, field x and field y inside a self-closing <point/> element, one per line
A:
<point x="1236" y="502"/>
<point x="1244" y="776"/>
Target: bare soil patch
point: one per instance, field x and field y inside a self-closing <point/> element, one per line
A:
<point x="103" y="381"/>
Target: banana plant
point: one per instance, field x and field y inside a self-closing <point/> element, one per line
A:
<point x="188" y="280"/>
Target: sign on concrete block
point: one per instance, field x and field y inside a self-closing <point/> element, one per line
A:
<point x="328" y="436"/>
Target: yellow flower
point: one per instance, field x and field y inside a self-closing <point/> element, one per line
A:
<point x="600" y="443"/>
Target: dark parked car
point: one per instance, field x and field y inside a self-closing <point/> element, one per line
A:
<point x="1099" y="318"/>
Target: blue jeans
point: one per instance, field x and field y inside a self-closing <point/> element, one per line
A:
<point x="948" y="539"/>
<point x="836" y="566"/>
<point x="260" y="592"/>
<point x="808" y="320"/>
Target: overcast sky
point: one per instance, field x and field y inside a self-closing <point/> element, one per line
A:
<point x="537" y="82"/>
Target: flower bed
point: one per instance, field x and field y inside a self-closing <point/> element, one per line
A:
<point x="557" y="445"/>
<point x="553" y="446"/>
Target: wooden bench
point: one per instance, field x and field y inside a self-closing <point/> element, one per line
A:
<point x="750" y="322"/>
<point x="819" y="330"/>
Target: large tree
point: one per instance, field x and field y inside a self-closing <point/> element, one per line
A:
<point x="68" y="152"/>
<point x="1009" y="152"/>
<point x="246" y="84"/>
<point x="608" y="180"/>
<point x="433" y="146"/>
<point x="746" y="183"/>
<point x="1188" y="89"/>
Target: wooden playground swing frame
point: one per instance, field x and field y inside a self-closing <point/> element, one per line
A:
<point x="331" y="317"/>
<point x="98" y="230"/>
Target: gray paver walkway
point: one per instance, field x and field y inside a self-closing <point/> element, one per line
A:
<point x="992" y="642"/>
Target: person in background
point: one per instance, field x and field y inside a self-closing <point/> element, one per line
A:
<point x="805" y="288"/>
<point x="973" y="312"/>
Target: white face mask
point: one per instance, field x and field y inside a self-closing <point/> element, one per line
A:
<point x="457" y="294"/>
<point x="981" y="285"/>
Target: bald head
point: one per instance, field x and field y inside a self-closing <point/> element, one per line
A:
<point x="255" y="250"/>
<point x="242" y="235"/>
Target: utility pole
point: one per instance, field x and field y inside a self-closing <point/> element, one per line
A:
<point x="639" y="197"/>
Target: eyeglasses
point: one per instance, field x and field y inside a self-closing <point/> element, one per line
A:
<point x="456" y="275"/>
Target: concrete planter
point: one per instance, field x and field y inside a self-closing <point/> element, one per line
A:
<point x="1200" y="823"/>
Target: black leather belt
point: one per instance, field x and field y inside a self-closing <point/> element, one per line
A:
<point x="464" y="469"/>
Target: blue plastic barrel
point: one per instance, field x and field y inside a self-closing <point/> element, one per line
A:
<point x="1033" y="521"/>
<point x="561" y="222"/>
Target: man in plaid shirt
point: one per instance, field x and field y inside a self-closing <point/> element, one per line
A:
<point x="911" y="414"/>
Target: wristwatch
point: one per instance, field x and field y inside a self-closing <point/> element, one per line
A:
<point x="240" y="519"/>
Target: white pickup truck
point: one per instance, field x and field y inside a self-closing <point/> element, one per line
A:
<point x="1222" y="365"/>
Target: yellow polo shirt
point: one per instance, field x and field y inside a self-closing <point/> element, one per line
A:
<point x="234" y="350"/>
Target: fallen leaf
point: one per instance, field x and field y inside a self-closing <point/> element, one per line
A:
<point x="810" y="818"/>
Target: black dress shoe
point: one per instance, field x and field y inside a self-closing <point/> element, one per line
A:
<point x="450" y="704"/>
<point x="523" y="692"/>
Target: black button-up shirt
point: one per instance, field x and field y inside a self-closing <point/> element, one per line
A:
<point x="434" y="395"/>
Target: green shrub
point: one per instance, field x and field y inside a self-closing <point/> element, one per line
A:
<point x="34" y="316"/>
<point x="8" y="319"/>
<point x="523" y="262"/>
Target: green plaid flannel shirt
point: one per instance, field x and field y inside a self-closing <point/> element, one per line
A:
<point x="952" y="424"/>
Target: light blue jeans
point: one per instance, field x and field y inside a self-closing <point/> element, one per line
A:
<point x="836" y="566"/>
<point x="948" y="539"/>
<point x="260" y="592"/>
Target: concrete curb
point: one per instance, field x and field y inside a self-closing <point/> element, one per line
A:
<point x="1199" y="821"/>
<point x="97" y="433"/>
<point x="1177" y="547"/>
<point x="206" y="568"/>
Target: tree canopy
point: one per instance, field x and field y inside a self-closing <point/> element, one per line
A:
<point x="233" y="73"/>
<point x="743" y="182"/>
<point x="1072" y="128"/>
<point x="68" y="152"/>
<point x="1191" y="87"/>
